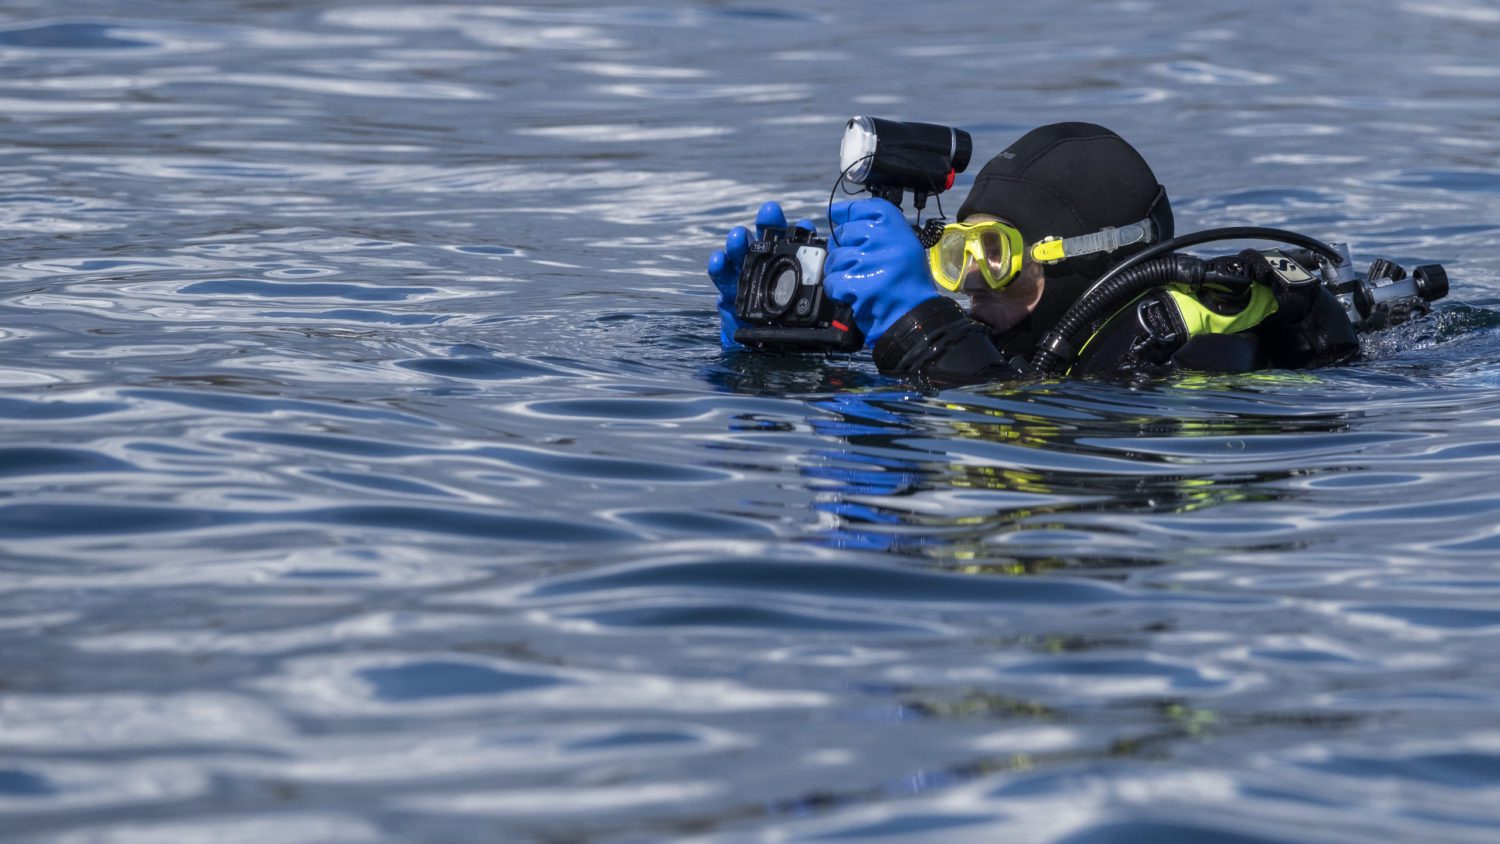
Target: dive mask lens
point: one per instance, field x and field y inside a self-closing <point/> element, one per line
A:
<point x="946" y="259"/>
<point x="996" y="255"/>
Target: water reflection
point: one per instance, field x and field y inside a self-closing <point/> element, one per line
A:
<point x="996" y="479"/>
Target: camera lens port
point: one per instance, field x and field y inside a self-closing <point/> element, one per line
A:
<point x="785" y="276"/>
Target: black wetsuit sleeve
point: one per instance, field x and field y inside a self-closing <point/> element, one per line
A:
<point x="936" y="341"/>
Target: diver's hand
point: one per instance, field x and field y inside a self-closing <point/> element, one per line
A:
<point x="1309" y="327"/>
<point x="1293" y="300"/>
<point x="724" y="266"/>
<point x="876" y="264"/>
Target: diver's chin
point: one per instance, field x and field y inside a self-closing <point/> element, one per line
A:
<point x="994" y="310"/>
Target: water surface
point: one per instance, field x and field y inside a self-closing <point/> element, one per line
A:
<point x="370" y="470"/>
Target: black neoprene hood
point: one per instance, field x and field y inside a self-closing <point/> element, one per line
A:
<point x="1064" y="180"/>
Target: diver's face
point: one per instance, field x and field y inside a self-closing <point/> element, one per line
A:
<point x="1002" y="309"/>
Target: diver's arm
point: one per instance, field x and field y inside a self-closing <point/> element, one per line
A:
<point x="877" y="266"/>
<point x="1309" y="327"/>
<point x="1320" y="336"/>
<point x="938" y="342"/>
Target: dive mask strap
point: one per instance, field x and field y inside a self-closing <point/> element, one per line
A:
<point x="1050" y="250"/>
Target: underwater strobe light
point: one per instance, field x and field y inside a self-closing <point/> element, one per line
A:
<point x="889" y="157"/>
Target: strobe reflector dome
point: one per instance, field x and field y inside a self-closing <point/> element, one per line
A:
<point x="889" y="154"/>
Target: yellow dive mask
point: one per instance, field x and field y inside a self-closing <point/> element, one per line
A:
<point x="996" y="250"/>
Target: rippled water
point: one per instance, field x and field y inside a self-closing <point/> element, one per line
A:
<point x="371" y="472"/>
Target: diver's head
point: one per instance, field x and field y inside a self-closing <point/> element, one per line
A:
<point x="1063" y="180"/>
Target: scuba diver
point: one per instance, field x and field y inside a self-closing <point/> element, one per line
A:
<point x="1065" y="248"/>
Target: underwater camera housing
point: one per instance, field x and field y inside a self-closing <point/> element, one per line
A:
<point x="781" y="303"/>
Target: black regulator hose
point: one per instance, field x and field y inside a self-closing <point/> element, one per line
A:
<point x="1139" y="273"/>
<point x="1059" y="347"/>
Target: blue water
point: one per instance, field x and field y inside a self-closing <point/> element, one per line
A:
<point x="370" y="471"/>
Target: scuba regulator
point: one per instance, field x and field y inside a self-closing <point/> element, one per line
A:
<point x="1301" y="278"/>
<point x="780" y="302"/>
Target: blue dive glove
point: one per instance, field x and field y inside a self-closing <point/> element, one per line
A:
<point x="878" y="266"/>
<point x="724" y="266"/>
